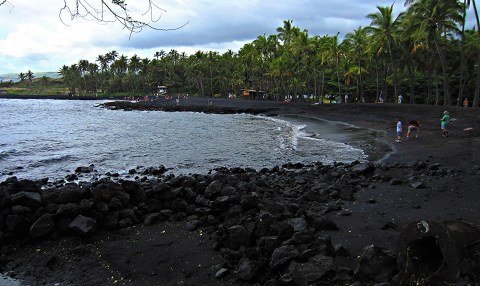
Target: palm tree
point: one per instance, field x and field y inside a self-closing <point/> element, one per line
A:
<point x="159" y="54"/>
<point x="432" y="18"/>
<point x="384" y="28"/>
<point x="22" y="77"/>
<point x="134" y="67"/>
<point x="358" y="42"/>
<point x="285" y="33"/>
<point x="30" y="77"/>
<point x="83" y="67"/>
<point x="93" y="77"/>
<point x="111" y="57"/>
<point x="103" y="63"/>
<point x="334" y="54"/>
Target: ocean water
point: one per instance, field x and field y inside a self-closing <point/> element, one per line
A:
<point x="51" y="138"/>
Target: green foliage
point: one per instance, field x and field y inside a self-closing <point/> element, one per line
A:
<point x="417" y="54"/>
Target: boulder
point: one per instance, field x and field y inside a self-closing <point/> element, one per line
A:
<point x="28" y="199"/>
<point x="84" y="169"/>
<point x="14" y="186"/>
<point x="238" y="236"/>
<point x="438" y="253"/>
<point x="110" y="220"/>
<point x="137" y="194"/>
<point x="282" y="255"/>
<point x="153" y="218"/>
<point x="213" y="190"/>
<point x="376" y="264"/>
<point x="193" y="225"/>
<point x="249" y="201"/>
<point x="268" y="243"/>
<point x="18" y="224"/>
<point x="179" y="205"/>
<point x="104" y="191"/>
<point x="84" y="226"/>
<point x="364" y="168"/>
<point x="67" y="210"/>
<point x="318" y="268"/>
<point x="43" y="226"/>
<point x="298" y="224"/>
<point x="247" y="269"/>
<point x="70" y="193"/>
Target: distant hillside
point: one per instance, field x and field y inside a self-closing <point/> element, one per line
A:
<point x="14" y="76"/>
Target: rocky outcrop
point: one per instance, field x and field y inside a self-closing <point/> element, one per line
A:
<point x="269" y="225"/>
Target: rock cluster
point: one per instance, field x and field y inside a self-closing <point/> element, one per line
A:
<point x="269" y="225"/>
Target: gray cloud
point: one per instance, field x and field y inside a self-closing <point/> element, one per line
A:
<point x="226" y="21"/>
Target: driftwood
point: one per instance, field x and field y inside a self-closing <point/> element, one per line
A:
<point x="439" y="253"/>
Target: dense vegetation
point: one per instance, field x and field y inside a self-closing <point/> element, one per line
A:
<point x="426" y="54"/>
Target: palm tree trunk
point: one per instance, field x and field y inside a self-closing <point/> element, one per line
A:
<point x="360" y="79"/>
<point x="322" y="89"/>
<point x="202" y="87"/>
<point x="437" y="93"/>
<point x="476" y="95"/>
<point x="337" y="64"/>
<point x="377" y="79"/>
<point x="412" y="90"/>
<point x="394" y="71"/>
<point x="443" y="64"/>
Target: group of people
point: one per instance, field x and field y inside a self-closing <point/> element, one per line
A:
<point x="414" y="126"/>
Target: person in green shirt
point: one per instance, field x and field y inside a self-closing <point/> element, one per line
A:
<point x="445" y="119"/>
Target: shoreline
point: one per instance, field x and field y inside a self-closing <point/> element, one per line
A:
<point x="431" y="179"/>
<point x="377" y="148"/>
<point x="58" y="97"/>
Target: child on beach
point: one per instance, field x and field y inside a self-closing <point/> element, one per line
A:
<point x="445" y="119"/>
<point x="399" y="130"/>
<point x="413" y="125"/>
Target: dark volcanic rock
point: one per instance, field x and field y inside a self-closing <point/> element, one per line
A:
<point x="43" y="226"/>
<point x="376" y="264"/>
<point x="27" y="199"/>
<point x="84" y="226"/>
<point x="283" y="255"/>
<point x="238" y="236"/>
<point x="247" y="269"/>
<point x="270" y="226"/>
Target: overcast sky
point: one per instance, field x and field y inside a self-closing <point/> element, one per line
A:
<point x="33" y="37"/>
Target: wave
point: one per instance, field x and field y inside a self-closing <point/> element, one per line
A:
<point x="54" y="159"/>
<point x="7" y="153"/>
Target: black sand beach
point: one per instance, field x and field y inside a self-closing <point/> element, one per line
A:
<point x="291" y="225"/>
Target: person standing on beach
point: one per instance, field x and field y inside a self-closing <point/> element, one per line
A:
<point x="413" y="125"/>
<point x="445" y="119"/>
<point x="399" y="130"/>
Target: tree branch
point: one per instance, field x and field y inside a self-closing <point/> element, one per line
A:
<point x="8" y="4"/>
<point x="117" y="11"/>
